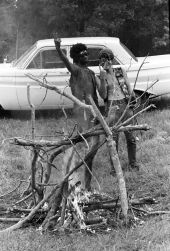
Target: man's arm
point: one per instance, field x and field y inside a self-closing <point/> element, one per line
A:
<point x="63" y="57"/>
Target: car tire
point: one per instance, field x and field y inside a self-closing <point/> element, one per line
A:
<point x="142" y="100"/>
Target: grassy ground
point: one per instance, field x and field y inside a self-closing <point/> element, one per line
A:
<point x="152" y="180"/>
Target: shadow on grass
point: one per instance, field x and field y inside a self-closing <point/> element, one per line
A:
<point x="26" y="115"/>
<point x="162" y="103"/>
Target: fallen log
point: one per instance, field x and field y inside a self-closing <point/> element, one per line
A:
<point x="112" y="204"/>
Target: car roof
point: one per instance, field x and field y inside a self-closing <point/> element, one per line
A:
<point x="75" y="40"/>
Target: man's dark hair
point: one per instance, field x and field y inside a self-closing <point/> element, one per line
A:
<point x="75" y="51"/>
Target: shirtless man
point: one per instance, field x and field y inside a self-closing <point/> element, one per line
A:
<point x="83" y="83"/>
<point x="117" y="91"/>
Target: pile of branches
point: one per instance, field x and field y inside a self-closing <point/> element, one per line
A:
<point x="65" y="206"/>
<point x="76" y="210"/>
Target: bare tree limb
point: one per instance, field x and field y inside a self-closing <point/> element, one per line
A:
<point x="32" y="112"/>
<point x="114" y="160"/>
<point x="54" y="88"/>
<point x="135" y="115"/>
<point x="151" y="212"/>
<point x="31" y="214"/>
<point x="77" y="138"/>
<point x="24" y="199"/>
<point x="6" y="220"/>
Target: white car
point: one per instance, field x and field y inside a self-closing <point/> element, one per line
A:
<point x="43" y="61"/>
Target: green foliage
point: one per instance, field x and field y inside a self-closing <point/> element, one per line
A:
<point x="149" y="24"/>
<point x="7" y="27"/>
<point x="133" y="21"/>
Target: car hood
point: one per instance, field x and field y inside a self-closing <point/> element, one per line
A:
<point x="5" y="65"/>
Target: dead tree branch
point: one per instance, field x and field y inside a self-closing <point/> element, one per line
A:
<point x="31" y="214"/>
<point x="58" y="197"/>
<point x="63" y="93"/>
<point x="75" y="139"/>
<point x="114" y="159"/>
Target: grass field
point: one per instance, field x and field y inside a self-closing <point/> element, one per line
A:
<point x="153" y="153"/>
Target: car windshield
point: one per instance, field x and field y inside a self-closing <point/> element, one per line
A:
<point x="20" y="61"/>
<point x="129" y="52"/>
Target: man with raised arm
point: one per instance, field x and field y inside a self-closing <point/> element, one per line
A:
<point x="83" y="83"/>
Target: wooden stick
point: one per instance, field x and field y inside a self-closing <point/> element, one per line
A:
<point x="52" y="157"/>
<point x="31" y="214"/>
<point x="54" y="206"/>
<point x="64" y="203"/>
<point x="76" y="139"/>
<point x="124" y="123"/>
<point x="65" y="188"/>
<point x="110" y="204"/>
<point x="114" y="160"/>
<point x="35" y="153"/>
<point x="63" y="93"/>
<point x="6" y="220"/>
<point x="32" y="112"/>
<point x="151" y="212"/>
<point x="24" y="199"/>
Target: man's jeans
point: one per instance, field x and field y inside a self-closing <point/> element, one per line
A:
<point x="130" y="139"/>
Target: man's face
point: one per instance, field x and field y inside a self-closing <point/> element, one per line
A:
<point x="83" y="57"/>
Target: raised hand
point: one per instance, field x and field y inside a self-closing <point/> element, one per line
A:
<point x="57" y="40"/>
<point x="102" y="72"/>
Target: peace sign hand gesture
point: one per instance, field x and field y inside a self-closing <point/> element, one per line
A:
<point x="102" y="72"/>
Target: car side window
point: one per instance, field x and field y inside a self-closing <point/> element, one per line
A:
<point x="94" y="56"/>
<point x="93" y="59"/>
<point x="47" y="59"/>
<point x="115" y="62"/>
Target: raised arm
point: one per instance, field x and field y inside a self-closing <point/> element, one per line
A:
<point x="102" y="83"/>
<point x="63" y="57"/>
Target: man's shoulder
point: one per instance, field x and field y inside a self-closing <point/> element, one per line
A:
<point x="75" y="68"/>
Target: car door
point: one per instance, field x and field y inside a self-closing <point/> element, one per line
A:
<point x="46" y="65"/>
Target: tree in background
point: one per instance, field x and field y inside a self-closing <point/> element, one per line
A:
<point x="147" y="30"/>
<point x="133" y="21"/>
<point x="7" y="27"/>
